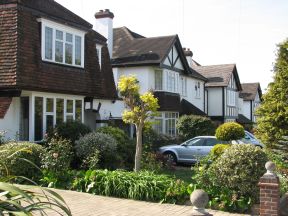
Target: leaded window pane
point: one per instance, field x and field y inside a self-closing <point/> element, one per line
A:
<point x="48" y="43"/>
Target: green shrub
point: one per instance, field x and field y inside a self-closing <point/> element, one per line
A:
<point x="71" y="130"/>
<point x="231" y="180"/>
<point x="230" y="131"/>
<point x="239" y="169"/>
<point x="190" y="126"/>
<point x="152" y="140"/>
<point x="125" y="146"/>
<point x="58" y="155"/>
<point x="143" y="185"/>
<point x="13" y="158"/>
<point x="97" y="150"/>
<point x="218" y="150"/>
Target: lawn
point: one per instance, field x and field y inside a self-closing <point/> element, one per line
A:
<point x="180" y="172"/>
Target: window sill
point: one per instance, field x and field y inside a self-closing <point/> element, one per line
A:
<point x="63" y="64"/>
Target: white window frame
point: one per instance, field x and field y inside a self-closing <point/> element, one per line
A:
<point x="161" y="81"/>
<point x="99" y="53"/>
<point x="54" y="113"/>
<point x="162" y="117"/>
<point x="197" y="89"/>
<point x="65" y="29"/>
<point x="183" y="81"/>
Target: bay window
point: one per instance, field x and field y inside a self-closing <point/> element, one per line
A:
<point x="62" y="44"/>
<point x="166" y="80"/>
<point x="165" y="123"/>
<point x="49" y="111"/>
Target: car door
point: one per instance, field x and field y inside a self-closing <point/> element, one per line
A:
<point x="191" y="150"/>
<point x="209" y="144"/>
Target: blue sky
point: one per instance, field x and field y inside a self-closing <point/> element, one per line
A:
<point x="244" y="32"/>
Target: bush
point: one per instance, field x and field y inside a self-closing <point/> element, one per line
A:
<point x="71" y="130"/>
<point x="59" y="155"/>
<point x="142" y="185"/>
<point x="218" y="150"/>
<point x="13" y="158"/>
<point x="239" y="169"/>
<point x="190" y="126"/>
<point x="125" y="146"/>
<point x="152" y="140"/>
<point x="97" y="150"/>
<point x="231" y="180"/>
<point x="230" y="131"/>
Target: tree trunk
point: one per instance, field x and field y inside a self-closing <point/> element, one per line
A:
<point x="138" y="154"/>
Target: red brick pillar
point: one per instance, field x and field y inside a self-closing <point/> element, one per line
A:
<point x="269" y="192"/>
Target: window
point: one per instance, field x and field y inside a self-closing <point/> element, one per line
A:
<point x="196" y="142"/>
<point x="99" y="54"/>
<point x="158" y="80"/>
<point x="166" y="80"/>
<point x="50" y="111"/>
<point x="231" y="98"/>
<point x="166" y="123"/>
<point x="183" y="81"/>
<point x="197" y="90"/>
<point x="62" y="44"/>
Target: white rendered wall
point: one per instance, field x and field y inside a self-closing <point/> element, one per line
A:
<point x="196" y="101"/>
<point x="215" y="101"/>
<point x="116" y="108"/>
<point x="145" y="76"/>
<point x="247" y="109"/>
<point x="104" y="26"/>
<point x="11" y="121"/>
<point x="240" y="105"/>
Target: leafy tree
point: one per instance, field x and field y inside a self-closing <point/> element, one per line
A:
<point x="141" y="108"/>
<point x="273" y="112"/>
<point x="190" y="126"/>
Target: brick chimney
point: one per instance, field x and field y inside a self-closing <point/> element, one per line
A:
<point x="188" y="54"/>
<point x="104" y="26"/>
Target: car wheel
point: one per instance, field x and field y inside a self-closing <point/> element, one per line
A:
<point x="171" y="157"/>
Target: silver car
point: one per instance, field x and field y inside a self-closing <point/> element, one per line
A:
<point x="251" y="139"/>
<point x="190" y="151"/>
<point x="194" y="149"/>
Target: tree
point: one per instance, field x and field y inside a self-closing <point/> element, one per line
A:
<point x="141" y="108"/>
<point x="273" y="112"/>
<point x="192" y="125"/>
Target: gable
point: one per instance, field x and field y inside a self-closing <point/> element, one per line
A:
<point x="173" y="60"/>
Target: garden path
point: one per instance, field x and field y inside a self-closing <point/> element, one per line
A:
<point x="84" y="204"/>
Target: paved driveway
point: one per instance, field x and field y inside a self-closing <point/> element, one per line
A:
<point x="83" y="204"/>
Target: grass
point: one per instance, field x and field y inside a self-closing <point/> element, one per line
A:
<point x="183" y="173"/>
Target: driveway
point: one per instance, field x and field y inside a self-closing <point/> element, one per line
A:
<point x="84" y="204"/>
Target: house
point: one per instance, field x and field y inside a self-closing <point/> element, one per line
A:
<point x="222" y="91"/>
<point x="160" y="65"/>
<point x="251" y="94"/>
<point x="51" y="69"/>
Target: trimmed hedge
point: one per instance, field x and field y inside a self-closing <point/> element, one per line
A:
<point x="13" y="156"/>
<point x="230" y="131"/>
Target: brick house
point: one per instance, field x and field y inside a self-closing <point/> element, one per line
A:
<point x="50" y="69"/>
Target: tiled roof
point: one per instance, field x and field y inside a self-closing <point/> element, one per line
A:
<point x="21" y="65"/>
<point x="249" y="91"/>
<point x="130" y="48"/>
<point x="189" y="109"/>
<point x="53" y="10"/>
<point x="8" y="46"/>
<point x="243" y="119"/>
<point x="4" y="105"/>
<point x="218" y="75"/>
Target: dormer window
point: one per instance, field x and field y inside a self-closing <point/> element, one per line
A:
<point x="62" y="44"/>
<point x="99" y="54"/>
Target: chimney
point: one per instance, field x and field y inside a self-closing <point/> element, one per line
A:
<point x="104" y="26"/>
<point x="188" y="53"/>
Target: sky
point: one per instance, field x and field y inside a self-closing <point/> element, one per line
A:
<point x="244" y="32"/>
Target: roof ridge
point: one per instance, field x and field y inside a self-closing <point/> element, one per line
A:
<point x="232" y="64"/>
